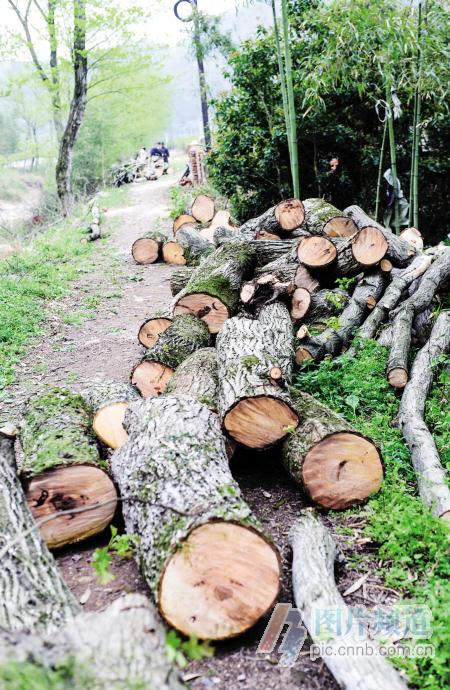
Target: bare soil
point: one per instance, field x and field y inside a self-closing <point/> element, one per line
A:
<point x="105" y="347"/>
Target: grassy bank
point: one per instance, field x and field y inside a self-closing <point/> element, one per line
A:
<point x="413" y="545"/>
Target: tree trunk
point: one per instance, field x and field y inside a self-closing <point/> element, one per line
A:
<point x="332" y="341"/>
<point x="336" y="466"/>
<point x="319" y="306"/>
<point x="321" y="218"/>
<point x="108" y="403"/>
<point x="187" y="248"/>
<point x="197" y="378"/>
<point x="203" y="208"/>
<point x="431" y="478"/>
<point x="283" y="218"/>
<point x="76" y="111"/>
<point x="254" y="405"/>
<point x="32" y="593"/>
<point x="213" y="574"/>
<point x="180" y="278"/>
<point x="314" y="556"/>
<point x="185" y="334"/>
<point x="62" y="468"/>
<point x="340" y="256"/>
<point x="147" y="249"/>
<point x="212" y="293"/>
<point x="399" y="252"/>
<point x="284" y="267"/>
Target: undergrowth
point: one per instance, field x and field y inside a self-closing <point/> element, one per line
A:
<point x="413" y="545"/>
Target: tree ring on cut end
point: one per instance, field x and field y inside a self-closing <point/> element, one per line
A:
<point x="316" y="251"/>
<point x="260" y="422"/>
<point x="209" y="309"/>
<point x="151" y="329"/>
<point x="151" y="378"/>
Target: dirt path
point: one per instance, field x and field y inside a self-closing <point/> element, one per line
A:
<point x="120" y="295"/>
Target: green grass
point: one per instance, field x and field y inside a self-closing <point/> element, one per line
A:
<point x="413" y="545"/>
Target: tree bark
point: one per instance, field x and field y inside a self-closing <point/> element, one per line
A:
<point x="197" y="378"/>
<point x="212" y="293"/>
<point x="323" y="304"/>
<point x="188" y="247"/>
<point x="336" y="466"/>
<point x="210" y="569"/>
<point x="314" y="556"/>
<point x="284" y="267"/>
<point x="322" y="218"/>
<point x="62" y="468"/>
<point x="185" y="334"/>
<point x="147" y="249"/>
<point x="76" y="111"/>
<point x="280" y="219"/>
<point x="262" y="291"/>
<point x="108" y="403"/>
<point x="431" y="479"/>
<point x="180" y="278"/>
<point x="254" y="405"/>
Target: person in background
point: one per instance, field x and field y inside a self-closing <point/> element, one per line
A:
<point x="165" y="156"/>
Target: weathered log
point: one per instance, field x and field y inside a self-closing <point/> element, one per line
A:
<point x="399" y="252"/>
<point x="187" y="248"/>
<point x="223" y="234"/>
<point x="185" y="334"/>
<point x="261" y="291"/>
<point x="271" y="250"/>
<point x="335" y="465"/>
<point x="108" y="402"/>
<point x="283" y="218"/>
<point x="256" y="407"/>
<point x="284" y="268"/>
<point x="431" y="479"/>
<point x="197" y="378"/>
<point x="152" y="328"/>
<point x="62" y="468"/>
<point x="413" y="236"/>
<point x="332" y="341"/>
<point x="212" y="572"/>
<point x="147" y="249"/>
<point x="180" y="278"/>
<point x="303" y="278"/>
<point x="182" y="220"/>
<point x="322" y="218"/>
<point x="320" y="306"/>
<point x="203" y="208"/>
<point x="32" y="592"/>
<point x="369" y="246"/>
<point x="212" y="293"/>
<point x="315" y="591"/>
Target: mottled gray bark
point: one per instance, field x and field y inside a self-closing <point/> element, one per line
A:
<point x="193" y="244"/>
<point x="315" y="591"/>
<point x="326" y="303"/>
<point x="185" y="335"/>
<point x="197" y="377"/>
<point x="284" y="268"/>
<point x="431" y="479"/>
<point x="179" y="279"/>
<point x="109" y="393"/>
<point x="317" y="213"/>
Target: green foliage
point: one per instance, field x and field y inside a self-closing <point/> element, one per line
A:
<point x="33" y="676"/>
<point x="413" y="544"/>
<point x="180" y="652"/>
<point x="120" y="545"/>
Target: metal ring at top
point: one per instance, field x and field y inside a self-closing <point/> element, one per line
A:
<point x="175" y="10"/>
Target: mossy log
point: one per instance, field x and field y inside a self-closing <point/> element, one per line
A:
<point x="108" y="402"/>
<point x="147" y="249"/>
<point x="223" y="234"/>
<point x="212" y="293"/>
<point x="399" y="252"/>
<point x="332" y="340"/>
<point x="187" y="248"/>
<point x="203" y="208"/>
<point x="32" y="592"/>
<point x="185" y="334"/>
<point x="280" y="219"/>
<point x="319" y="306"/>
<point x="431" y="479"/>
<point x="336" y="466"/>
<point x="62" y="468"/>
<point x="255" y="364"/>
<point x="322" y="218"/>
<point x="313" y="564"/>
<point x="180" y="278"/>
<point x="211" y="570"/>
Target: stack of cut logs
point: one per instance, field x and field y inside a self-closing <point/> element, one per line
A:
<point x="294" y="285"/>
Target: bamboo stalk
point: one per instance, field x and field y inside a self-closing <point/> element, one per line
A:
<point x="283" y="83"/>
<point x="393" y="153"/>
<point x="380" y="169"/>
<point x="291" y="103"/>
<point x="417" y="109"/>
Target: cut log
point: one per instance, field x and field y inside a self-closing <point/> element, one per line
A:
<point x="182" y="220"/>
<point x="262" y="291"/>
<point x="282" y="218"/>
<point x="108" y="403"/>
<point x="211" y="570"/>
<point x="147" y="249"/>
<point x="220" y="220"/>
<point x="322" y="305"/>
<point x="303" y="278"/>
<point x="180" y="278"/>
<point x="332" y="341"/>
<point x="386" y="265"/>
<point x="431" y="479"/>
<point x="301" y="301"/>
<point x="399" y="252"/>
<point x="197" y="378"/>
<point x="151" y="329"/>
<point x="212" y="293"/>
<point x="335" y="465"/>
<point x="315" y="591"/>
<point x="188" y="247"/>
<point x="203" y="208"/>
<point x="267" y="251"/>
<point x="255" y="410"/>
<point x="413" y="236"/>
<point x="62" y="468"/>
<point x="369" y="246"/>
<point x="316" y="252"/>
<point x="32" y="592"/>
<point x="330" y="258"/>
<point x="185" y="334"/>
<point x="324" y="218"/>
